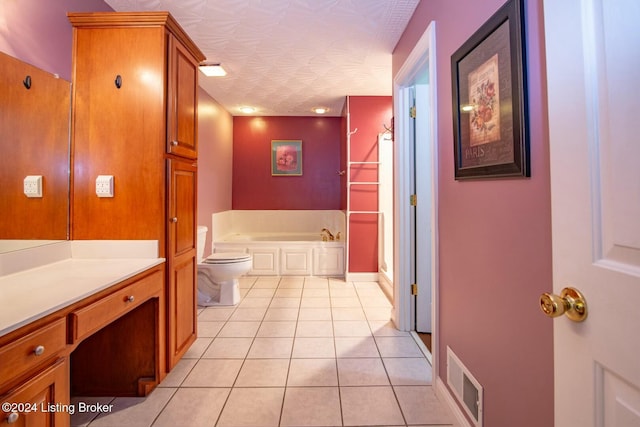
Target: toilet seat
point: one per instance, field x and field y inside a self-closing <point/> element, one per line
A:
<point x="226" y="258"/>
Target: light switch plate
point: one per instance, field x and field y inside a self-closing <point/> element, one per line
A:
<point x="104" y="186"/>
<point x="33" y="186"/>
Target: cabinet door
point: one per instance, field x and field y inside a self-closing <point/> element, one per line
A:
<point x="42" y="401"/>
<point x="182" y="108"/>
<point x="119" y="131"/>
<point x="181" y="254"/>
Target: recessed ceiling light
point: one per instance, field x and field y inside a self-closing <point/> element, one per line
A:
<point x="213" y="70"/>
<point x="320" y="110"/>
<point x="247" y="110"/>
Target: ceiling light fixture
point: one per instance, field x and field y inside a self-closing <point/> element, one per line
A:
<point x="212" y="70"/>
<point x="320" y="110"/>
<point x="247" y="110"/>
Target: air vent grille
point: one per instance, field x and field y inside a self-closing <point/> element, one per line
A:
<point x="465" y="387"/>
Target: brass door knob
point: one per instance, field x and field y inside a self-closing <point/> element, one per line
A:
<point x="570" y="302"/>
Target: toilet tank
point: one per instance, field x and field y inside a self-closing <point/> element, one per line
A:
<point x="202" y="239"/>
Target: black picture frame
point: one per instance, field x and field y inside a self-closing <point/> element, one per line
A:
<point x="489" y="97"/>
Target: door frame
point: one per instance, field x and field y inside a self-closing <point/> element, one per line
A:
<point x="423" y="55"/>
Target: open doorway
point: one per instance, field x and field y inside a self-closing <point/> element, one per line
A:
<point x="415" y="174"/>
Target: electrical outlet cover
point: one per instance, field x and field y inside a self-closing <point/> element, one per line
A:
<point x="33" y="186"/>
<point x="104" y="186"/>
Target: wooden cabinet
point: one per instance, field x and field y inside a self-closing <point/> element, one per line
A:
<point x="183" y="97"/>
<point x="42" y="401"/>
<point x="125" y="324"/>
<point x="33" y="349"/>
<point x="110" y="343"/>
<point x="135" y="95"/>
<point x="34" y="375"/>
<point x="181" y="258"/>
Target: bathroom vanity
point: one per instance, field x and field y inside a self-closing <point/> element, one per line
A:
<point x="135" y="106"/>
<point x="80" y="325"/>
<point x="78" y="322"/>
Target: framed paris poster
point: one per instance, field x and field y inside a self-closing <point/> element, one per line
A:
<point x="488" y="74"/>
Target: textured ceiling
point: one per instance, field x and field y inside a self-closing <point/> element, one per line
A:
<point x="285" y="57"/>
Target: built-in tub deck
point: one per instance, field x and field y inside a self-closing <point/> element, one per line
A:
<point x="283" y="242"/>
<point x="298" y="254"/>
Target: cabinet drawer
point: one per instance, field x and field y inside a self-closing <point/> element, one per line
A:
<point x="32" y="349"/>
<point x="32" y="403"/>
<point x="91" y="318"/>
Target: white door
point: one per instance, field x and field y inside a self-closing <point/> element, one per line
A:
<point x="593" y="67"/>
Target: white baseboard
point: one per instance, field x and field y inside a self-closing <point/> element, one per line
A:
<point x="447" y="398"/>
<point x="361" y="277"/>
<point x="386" y="284"/>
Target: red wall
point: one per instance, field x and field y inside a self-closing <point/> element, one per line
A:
<point x="494" y="237"/>
<point x="369" y="115"/>
<point x="253" y="185"/>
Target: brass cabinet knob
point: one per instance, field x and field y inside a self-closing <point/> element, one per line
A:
<point x="174" y="219"/>
<point x="570" y="302"/>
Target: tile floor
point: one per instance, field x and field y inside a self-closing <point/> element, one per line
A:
<point x="295" y="352"/>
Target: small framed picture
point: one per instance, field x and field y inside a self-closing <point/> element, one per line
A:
<point x="490" y="119"/>
<point x="286" y="157"/>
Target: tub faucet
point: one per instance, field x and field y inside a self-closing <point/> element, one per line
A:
<point x="331" y="237"/>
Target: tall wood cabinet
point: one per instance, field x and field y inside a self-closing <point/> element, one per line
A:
<point x="135" y="87"/>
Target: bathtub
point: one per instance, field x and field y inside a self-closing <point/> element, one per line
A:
<point x="283" y="242"/>
<point x="287" y="254"/>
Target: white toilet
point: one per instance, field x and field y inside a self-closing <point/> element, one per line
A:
<point x="218" y="274"/>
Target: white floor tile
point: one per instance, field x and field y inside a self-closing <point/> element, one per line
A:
<point x="178" y="373"/>
<point x="351" y="328"/>
<point x="239" y="329"/>
<point x="263" y="373"/>
<point x="228" y="348"/>
<point x="363" y="406"/>
<point x="408" y="371"/>
<point x="311" y="406"/>
<point x="296" y="351"/>
<point x="248" y="314"/>
<point x="186" y="407"/>
<point x="362" y="372"/>
<point x="323" y="313"/>
<point x="314" y="328"/>
<point x="277" y="329"/>
<point x="271" y="348"/>
<point x="285" y="302"/>
<point x="313" y="348"/>
<point x="213" y="373"/>
<point x="348" y="313"/>
<point x="420" y="405"/>
<point x="315" y="302"/>
<point x="209" y="329"/>
<point x="197" y="348"/>
<point x="312" y="373"/>
<point x="276" y="314"/>
<point x="398" y="347"/>
<point x="248" y="407"/>
<point x="356" y="347"/>
<point x="213" y="314"/>
<point x="135" y="411"/>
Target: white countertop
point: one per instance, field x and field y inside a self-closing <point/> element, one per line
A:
<point x="33" y="293"/>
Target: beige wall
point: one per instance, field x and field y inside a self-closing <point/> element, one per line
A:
<point x="215" y="160"/>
